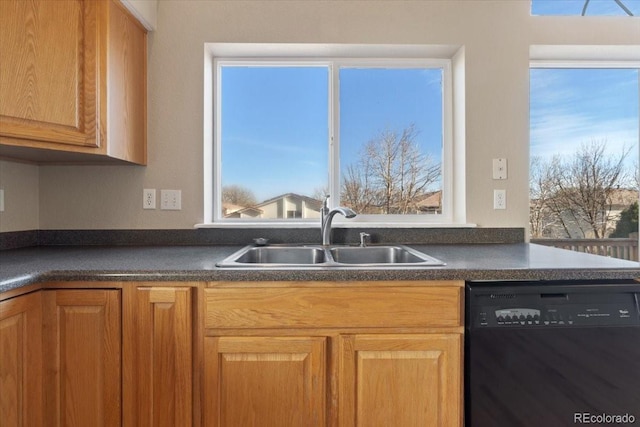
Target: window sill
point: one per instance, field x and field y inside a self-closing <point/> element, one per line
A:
<point x="336" y="224"/>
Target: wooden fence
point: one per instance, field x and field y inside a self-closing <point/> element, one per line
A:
<point x="623" y="248"/>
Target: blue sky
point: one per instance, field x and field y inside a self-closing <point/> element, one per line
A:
<point x="274" y="129"/>
<point x="375" y="100"/>
<point x="574" y="7"/>
<point x="569" y="107"/>
<point x="275" y="136"/>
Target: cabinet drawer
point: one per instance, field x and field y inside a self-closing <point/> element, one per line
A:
<point x="313" y="307"/>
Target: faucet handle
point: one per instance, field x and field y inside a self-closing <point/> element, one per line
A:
<point x="325" y="203"/>
<point x="363" y="239"/>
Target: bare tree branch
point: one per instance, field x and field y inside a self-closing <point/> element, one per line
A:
<point x="391" y="175"/>
<point x="575" y="195"/>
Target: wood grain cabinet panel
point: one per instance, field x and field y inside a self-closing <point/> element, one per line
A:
<point x="82" y="336"/>
<point x="353" y="306"/>
<point x="359" y="354"/>
<point x="403" y="380"/>
<point x="48" y="84"/>
<point x="158" y="356"/>
<point x="73" y="81"/>
<point x="21" y="361"/>
<point x="265" y="381"/>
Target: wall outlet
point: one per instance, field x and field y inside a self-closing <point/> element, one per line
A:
<point x="1" y="200"/>
<point x="499" y="199"/>
<point x="149" y="198"/>
<point x="171" y="200"/>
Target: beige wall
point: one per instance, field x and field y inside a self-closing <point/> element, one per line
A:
<point x="21" y="208"/>
<point x="496" y="36"/>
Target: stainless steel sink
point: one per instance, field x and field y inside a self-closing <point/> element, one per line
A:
<point x="334" y="256"/>
<point x="380" y="255"/>
<point x="281" y="255"/>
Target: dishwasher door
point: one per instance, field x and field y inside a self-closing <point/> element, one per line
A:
<point x="552" y="355"/>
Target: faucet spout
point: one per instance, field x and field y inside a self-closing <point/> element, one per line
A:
<point x="325" y="226"/>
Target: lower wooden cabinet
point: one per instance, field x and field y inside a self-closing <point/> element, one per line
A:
<point x="81" y="338"/>
<point x="400" y="380"/>
<point x="158" y="356"/>
<point x="265" y="381"/>
<point x="99" y="357"/>
<point x="316" y="354"/>
<point x="233" y="354"/>
<point x="21" y="361"/>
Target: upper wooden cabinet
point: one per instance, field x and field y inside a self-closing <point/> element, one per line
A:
<point x="73" y="81"/>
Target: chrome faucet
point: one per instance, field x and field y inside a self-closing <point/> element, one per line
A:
<point x="326" y="216"/>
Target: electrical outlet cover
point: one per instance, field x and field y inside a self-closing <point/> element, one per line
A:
<point x="499" y="199"/>
<point x="149" y="198"/>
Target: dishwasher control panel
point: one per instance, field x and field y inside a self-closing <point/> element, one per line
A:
<point x="600" y="315"/>
<point x="533" y="307"/>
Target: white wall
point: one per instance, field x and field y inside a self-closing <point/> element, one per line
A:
<point x="496" y="36"/>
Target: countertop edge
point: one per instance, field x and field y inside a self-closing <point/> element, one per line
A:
<point x="29" y="283"/>
<point x="519" y="262"/>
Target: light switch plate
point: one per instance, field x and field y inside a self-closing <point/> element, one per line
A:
<point x="1" y="200"/>
<point x="499" y="168"/>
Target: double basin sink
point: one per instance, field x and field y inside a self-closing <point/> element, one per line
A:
<point x="318" y="256"/>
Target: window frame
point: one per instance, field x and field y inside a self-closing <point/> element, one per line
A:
<point x="446" y="58"/>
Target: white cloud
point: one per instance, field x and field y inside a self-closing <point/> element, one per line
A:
<point x="570" y="109"/>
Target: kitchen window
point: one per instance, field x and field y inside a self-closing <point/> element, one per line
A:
<point x="586" y="7"/>
<point x="375" y="134"/>
<point x="585" y="129"/>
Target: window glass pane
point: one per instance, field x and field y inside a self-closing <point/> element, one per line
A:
<point x="274" y="141"/>
<point x="391" y="140"/>
<point x="593" y="7"/>
<point x="584" y="152"/>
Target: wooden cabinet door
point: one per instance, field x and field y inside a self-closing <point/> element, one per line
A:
<point x="400" y="380"/>
<point x="158" y="346"/>
<point x="82" y="338"/>
<point x="126" y="131"/>
<point x="21" y="361"/>
<point x="265" y="381"/>
<point x="49" y="83"/>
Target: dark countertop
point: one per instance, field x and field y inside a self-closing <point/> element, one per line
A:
<point x="518" y="261"/>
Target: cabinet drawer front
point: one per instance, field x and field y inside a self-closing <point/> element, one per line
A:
<point x="428" y="306"/>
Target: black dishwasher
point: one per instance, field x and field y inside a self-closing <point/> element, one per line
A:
<point x="552" y="354"/>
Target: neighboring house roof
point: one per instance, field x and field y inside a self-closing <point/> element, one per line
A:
<point x="311" y="202"/>
<point x="624" y="197"/>
<point x="431" y="200"/>
<point x="250" y="211"/>
<point x="228" y="208"/>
